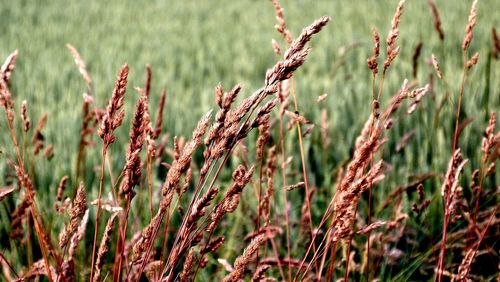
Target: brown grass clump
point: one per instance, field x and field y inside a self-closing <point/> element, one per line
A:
<point x="244" y="260"/>
<point x="103" y="247"/>
<point x="76" y="212"/>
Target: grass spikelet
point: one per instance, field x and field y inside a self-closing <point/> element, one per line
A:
<point x="306" y="35"/>
<point x="448" y="192"/>
<point x="245" y="259"/>
<point x="470" y="26"/>
<point x="38" y="140"/>
<point x="472" y="61"/>
<point x="187" y="269"/>
<point x="182" y="164"/>
<point x="37" y="269"/>
<point x="24" y="116"/>
<point x="76" y="212"/>
<point x="392" y="49"/>
<point x="230" y="202"/>
<point x="103" y="248"/>
<point x="198" y="210"/>
<point x="82" y="67"/>
<point x="114" y="115"/>
<point x="372" y="61"/>
<point x="61" y="187"/>
<point x="140" y="247"/>
<point x="213" y="245"/>
<point x="132" y="170"/>
<point x="8" y="67"/>
<point x="435" y="64"/>
<point x="159" y="116"/>
<point x="281" y="24"/>
<point x="19" y="215"/>
<point x="87" y="130"/>
<point x="68" y="266"/>
<point x="259" y="274"/>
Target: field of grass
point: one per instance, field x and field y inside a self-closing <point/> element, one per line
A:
<point x="192" y="46"/>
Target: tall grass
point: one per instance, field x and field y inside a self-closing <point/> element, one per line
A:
<point x="275" y="183"/>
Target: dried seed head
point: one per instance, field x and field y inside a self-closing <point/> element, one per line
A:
<point x="260" y="273"/>
<point x="392" y="50"/>
<point x="435" y="63"/>
<point x="245" y="259"/>
<point x="264" y="136"/>
<point x="470" y="26"/>
<point x="68" y="266"/>
<point x="159" y="116"/>
<point x="76" y="212"/>
<point x="298" y="185"/>
<point x="281" y="25"/>
<point x="140" y="247"/>
<point x="452" y="176"/>
<point x="370" y="228"/>
<point x="437" y="20"/>
<point x="38" y="140"/>
<point x="18" y="216"/>
<point x="181" y="164"/>
<point x="188" y="267"/>
<point x="114" y="115"/>
<point x="276" y="47"/>
<point x="219" y="95"/>
<point x="198" y="210"/>
<point x="61" y="187"/>
<point x="81" y="65"/>
<point x="213" y="245"/>
<point x="147" y="88"/>
<point x="306" y="34"/>
<point x="372" y="61"/>
<point x="132" y="170"/>
<point x="8" y="67"/>
<point x="103" y="248"/>
<point x="472" y="61"/>
<point x="24" y="116"/>
<point x="417" y="94"/>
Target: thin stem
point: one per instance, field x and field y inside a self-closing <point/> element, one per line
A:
<point x="285" y="199"/>
<point x="304" y="170"/>
<point x="370" y="189"/>
<point x="150" y="185"/>
<point x="8" y="264"/>
<point x="121" y="239"/>
<point x="98" y="215"/>
<point x="329" y="275"/>
<point x="457" y="118"/>
<point x="257" y="223"/>
<point x="442" y="252"/>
